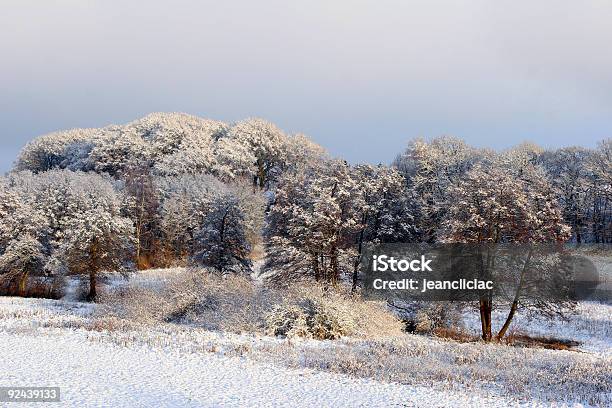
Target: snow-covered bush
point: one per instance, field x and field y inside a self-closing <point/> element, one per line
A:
<point x="288" y="321"/>
<point x="313" y="313"/>
<point x="311" y="317"/>
<point x="234" y="303"/>
<point x="194" y="297"/>
<point x="436" y="315"/>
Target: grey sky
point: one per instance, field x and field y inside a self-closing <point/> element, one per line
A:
<point x="360" y="77"/>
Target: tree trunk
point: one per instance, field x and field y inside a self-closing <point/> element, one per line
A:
<point x="486" y="302"/>
<point x="139" y="224"/>
<point x="316" y="267"/>
<point x="91" y="296"/>
<point x="93" y="271"/>
<point x="261" y="174"/>
<point x="23" y="283"/>
<point x="357" y="261"/>
<point x="504" y="329"/>
<point x="221" y="264"/>
<point x="485" y="319"/>
<point x="333" y="263"/>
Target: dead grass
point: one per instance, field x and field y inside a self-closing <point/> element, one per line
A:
<point x="35" y="287"/>
<point x="551" y="343"/>
<point x="515" y="339"/>
<point x="455" y="334"/>
<point x="236" y="304"/>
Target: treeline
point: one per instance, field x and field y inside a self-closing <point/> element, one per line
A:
<point x="174" y="189"/>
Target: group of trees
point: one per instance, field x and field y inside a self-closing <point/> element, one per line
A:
<point x="174" y="188"/>
<point x="164" y="190"/>
<point x="162" y="144"/>
<point x="580" y="179"/>
<point x="523" y="196"/>
<point x="323" y="216"/>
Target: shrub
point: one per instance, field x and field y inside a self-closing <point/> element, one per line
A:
<point x="435" y="317"/>
<point x="313" y="313"/>
<point x="234" y="303"/>
<point x="287" y="321"/>
<point x="312" y="317"/>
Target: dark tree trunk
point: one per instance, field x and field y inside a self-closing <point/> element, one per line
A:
<point x="358" y="259"/>
<point x="23" y="284"/>
<point x="221" y="241"/>
<point x="485" y="319"/>
<point x="514" y="306"/>
<point x="333" y="264"/>
<point x="91" y="296"/>
<point x="93" y="271"/>
<point x="261" y="174"/>
<point x="316" y="267"/>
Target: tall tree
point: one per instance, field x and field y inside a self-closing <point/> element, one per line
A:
<point x="431" y="169"/>
<point x="382" y="209"/>
<point x="267" y="144"/>
<point x="95" y="236"/>
<point x="494" y="205"/>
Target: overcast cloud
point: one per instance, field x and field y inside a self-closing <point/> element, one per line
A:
<point x="360" y="77"/>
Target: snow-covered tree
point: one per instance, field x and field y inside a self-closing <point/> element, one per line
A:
<point x="142" y="207"/>
<point x="172" y="144"/>
<point x="600" y="167"/>
<point x="120" y="150"/>
<point x="221" y="243"/>
<point x="185" y="202"/>
<point x="18" y="218"/>
<point x="84" y="232"/>
<point x="95" y="237"/>
<point x="182" y="144"/>
<point x="22" y="233"/>
<point x="267" y="144"/>
<point x="234" y="160"/>
<point x="382" y="209"/>
<point x="431" y="169"/>
<point x="313" y="222"/>
<point x="253" y="207"/>
<point x="568" y="172"/>
<point x="492" y="204"/>
<point x="55" y="150"/>
<point x="302" y="152"/>
<point x="21" y="258"/>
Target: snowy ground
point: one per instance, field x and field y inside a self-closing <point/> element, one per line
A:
<point x="101" y="374"/>
<point x="99" y="362"/>
<point x="591" y="326"/>
<point x="41" y="347"/>
<point x="92" y="372"/>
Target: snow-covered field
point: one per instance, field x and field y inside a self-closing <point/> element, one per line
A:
<point x="93" y="374"/>
<point x="93" y="371"/>
<point x="105" y="362"/>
